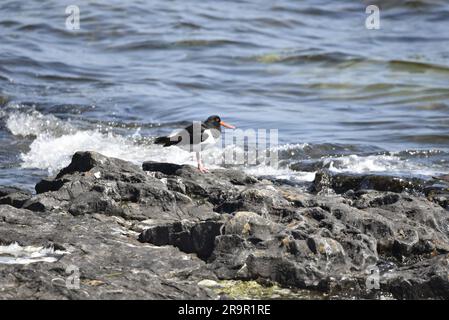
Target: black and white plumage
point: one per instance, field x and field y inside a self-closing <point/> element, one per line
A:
<point x="196" y="137"/>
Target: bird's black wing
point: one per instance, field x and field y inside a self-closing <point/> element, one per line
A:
<point x="195" y="129"/>
<point x="185" y="136"/>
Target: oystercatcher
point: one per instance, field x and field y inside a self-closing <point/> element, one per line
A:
<point x="196" y="137"/>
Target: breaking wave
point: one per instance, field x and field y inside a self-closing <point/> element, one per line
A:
<point x="55" y="141"/>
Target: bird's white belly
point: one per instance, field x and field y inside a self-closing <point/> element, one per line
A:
<point x="210" y="141"/>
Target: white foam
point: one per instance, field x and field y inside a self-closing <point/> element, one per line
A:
<point x="16" y="254"/>
<point x="290" y="147"/>
<point x="35" y="123"/>
<point x="280" y="173"/>
<point x="54" y="153"/>
<point x="377" y="164"/>
<point x="56" y="141"/>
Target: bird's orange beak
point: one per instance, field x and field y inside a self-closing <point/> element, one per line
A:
<point x="226" y="125"/>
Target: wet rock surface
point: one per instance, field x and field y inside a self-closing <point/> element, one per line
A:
<point x="165" y="231"/>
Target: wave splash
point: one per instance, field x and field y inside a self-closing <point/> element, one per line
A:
<point x="56" y="140"/>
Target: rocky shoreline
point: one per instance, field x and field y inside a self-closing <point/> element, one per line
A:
<point x="165" y="231"/>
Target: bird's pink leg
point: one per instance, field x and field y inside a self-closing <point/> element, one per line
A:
<point x="201" y="167"/>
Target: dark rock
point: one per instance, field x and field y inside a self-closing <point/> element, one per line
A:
<point x="41" y="203"/>
<point x="343" y="182"/>
<point x="15" y="199"/>
<point x="235" y="177"/>
<point x="4" y="191"/>
<point x="322" y="182"/>
<point x="48" y="185"/>
<point x="439" y="196"/>
<point x="376" y="199"/>
<point x="92" y="202"/>
<point x="307" y="166"/>
<point x="156" y="233"/>
<point x="162" y="167"/>
<point x="93" y="183"/>
<point x="197" y="238"/>
<point x="443" y="178"/>
<point x="251" y="225"/>
<point x="111" y="263"/>
<point x="82" y="162"/>
<point x="423" y="280"/>
<point x="14" y="196"/>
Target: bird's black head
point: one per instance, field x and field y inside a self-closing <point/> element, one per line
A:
<point x="214" y="122"/>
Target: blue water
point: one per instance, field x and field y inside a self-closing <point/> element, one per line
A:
<point x="354" y="99"/>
